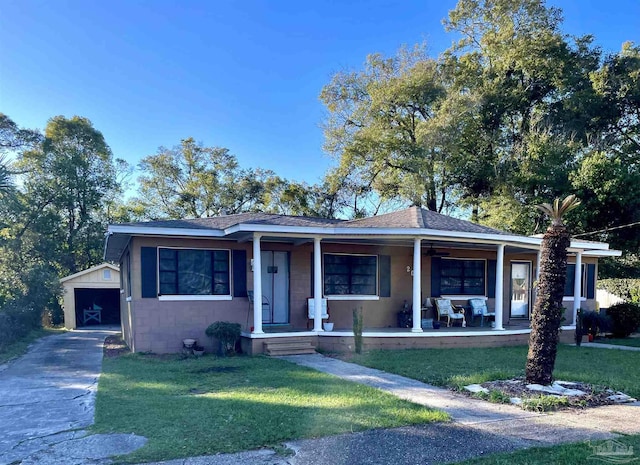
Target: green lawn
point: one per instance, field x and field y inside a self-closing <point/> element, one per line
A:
<point x="190" y="407"/>
<point x="458" y="367"/>
<point x="20" y="347"/>
<point x="627" y="341"/>
<point x="567" y="454"/>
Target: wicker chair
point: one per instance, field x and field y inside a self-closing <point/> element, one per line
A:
<point x="449" y="311"/>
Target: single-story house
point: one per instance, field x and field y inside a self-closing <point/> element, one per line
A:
<point x="267" y="272"/>
<point x="91" y="296"/>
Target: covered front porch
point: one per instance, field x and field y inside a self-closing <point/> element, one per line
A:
<point x="342" y="340"/>
<point x="409" y="274"/>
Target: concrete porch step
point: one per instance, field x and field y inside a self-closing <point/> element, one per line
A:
<point x="277" y="348"/>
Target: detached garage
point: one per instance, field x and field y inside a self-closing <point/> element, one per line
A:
<point x="92" y="297"/>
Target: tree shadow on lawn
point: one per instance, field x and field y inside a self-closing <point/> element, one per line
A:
<point x="206" y="406"/>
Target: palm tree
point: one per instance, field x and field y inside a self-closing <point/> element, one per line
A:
<point x="547" y="311"/>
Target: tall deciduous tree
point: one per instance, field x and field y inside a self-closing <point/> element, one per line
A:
<point x="64" y="184"/>
<point x="379" y="125"/>
<point x="193" y="181"/>
<point x="547" y="311"/>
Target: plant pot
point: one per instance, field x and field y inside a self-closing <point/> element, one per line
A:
<point x="188" y="343"/>
<point x="591" y="338"/>
<point x="328" y="326"/>
<point x="198" y="353"/>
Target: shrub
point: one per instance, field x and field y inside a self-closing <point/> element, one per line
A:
<point x="17" y="319"/>
<point x="627" y="289"/>
<point x="357" y="329"/>
<point x="594" y="322"/>
<point x="625" y="318"/>
<point x="226" y="333"/>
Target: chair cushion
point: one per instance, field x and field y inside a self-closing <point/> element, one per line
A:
<point x="478" y="306"/>
<point x="444" y="306"/>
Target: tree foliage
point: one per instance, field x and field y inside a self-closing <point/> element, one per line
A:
<point x="53" y="223"/>
<point x="515" y="112"/>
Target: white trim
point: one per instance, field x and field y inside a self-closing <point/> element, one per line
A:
<point x="569" y="298"/>
<point x="375" y="296"/>
<point x="257" y="285"/>
<point x="90" y="270"/>
<point x="403" y="334"/>
<point x="599" y="249"/>
<point x="318" y="284"/>
<point x="230" y="272"/>
<point x="149" y="230"/>
<point x="485" y="277"/>
<point x="194" y="297"/>
<point x="277" y="335"/>
<point x="602" y="253"/>
<point x="352" y="297"/>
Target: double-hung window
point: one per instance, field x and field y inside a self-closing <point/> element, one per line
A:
<point x="462" y="277"/>
<point x="194" y="272"/>
<point x="355" y="275"/>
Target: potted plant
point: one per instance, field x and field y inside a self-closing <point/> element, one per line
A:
<point x="197" y="350"/>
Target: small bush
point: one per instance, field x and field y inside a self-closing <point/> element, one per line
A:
<point x="625" y="318"/>
<point x="594" y="322"/>
<point x="357" y="329"/>
<point x="226" y="333"/>
<point x="544" y="403"/>
<point x="16" y="321"/>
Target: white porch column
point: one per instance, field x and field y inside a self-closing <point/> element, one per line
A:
<point x="417" y="314"/>
<point x="257" y="286"/>
<point x="317" y="285"/>
<point x="577" y="286"/>
<point x="538" y="265"/>
<point x="499" y="286"/>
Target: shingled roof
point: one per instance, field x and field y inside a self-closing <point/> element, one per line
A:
<point x="226" y="221"/>
<point x="410" y="218"/>
<point x="419" y="218"/>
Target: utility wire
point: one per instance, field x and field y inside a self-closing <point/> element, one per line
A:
<point x="608" y="229"/>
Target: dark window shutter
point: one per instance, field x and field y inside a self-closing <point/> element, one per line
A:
<point x="491" y="278"/>
<point x="571" y="279"/>
<point x="239" y="264"/>
<point x="591" y="281"/>
<point x="385" y="275"/>
<point x="148" y="271"/>
<point x="436" y="263"/>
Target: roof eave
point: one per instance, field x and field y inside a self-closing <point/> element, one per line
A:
<point x="588" y="248"/>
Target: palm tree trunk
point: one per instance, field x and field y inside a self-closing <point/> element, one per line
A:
<point x="548" y="310"/>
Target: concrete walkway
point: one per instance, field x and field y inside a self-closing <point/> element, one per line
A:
<point x="597" y="345"/>
<point x="47" y="397"/>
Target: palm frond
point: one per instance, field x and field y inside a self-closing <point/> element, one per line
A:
<point x="558" y="210"/>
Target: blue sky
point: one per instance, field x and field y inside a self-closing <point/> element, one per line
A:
<point x="245" y="75"/>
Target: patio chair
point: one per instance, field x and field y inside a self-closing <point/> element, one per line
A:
<point x="479" y="308"/>
<point x="449" y="311"/>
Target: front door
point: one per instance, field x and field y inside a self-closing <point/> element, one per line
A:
<point x="520" y="289"/>
<point x="275" y="287"/>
